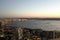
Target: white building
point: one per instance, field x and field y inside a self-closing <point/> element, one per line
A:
<point x="20" y="33"/>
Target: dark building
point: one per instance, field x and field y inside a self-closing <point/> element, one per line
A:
<point x="0" y="24"/>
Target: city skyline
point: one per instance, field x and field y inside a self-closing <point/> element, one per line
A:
<point x="30" y="8"/>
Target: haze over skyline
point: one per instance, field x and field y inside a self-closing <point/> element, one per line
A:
<point x="30" y="8"/>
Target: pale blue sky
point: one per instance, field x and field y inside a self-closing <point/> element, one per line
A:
<point x="29" y="8"/>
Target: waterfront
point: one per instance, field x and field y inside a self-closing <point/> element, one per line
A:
<point x="30" y="29"/>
